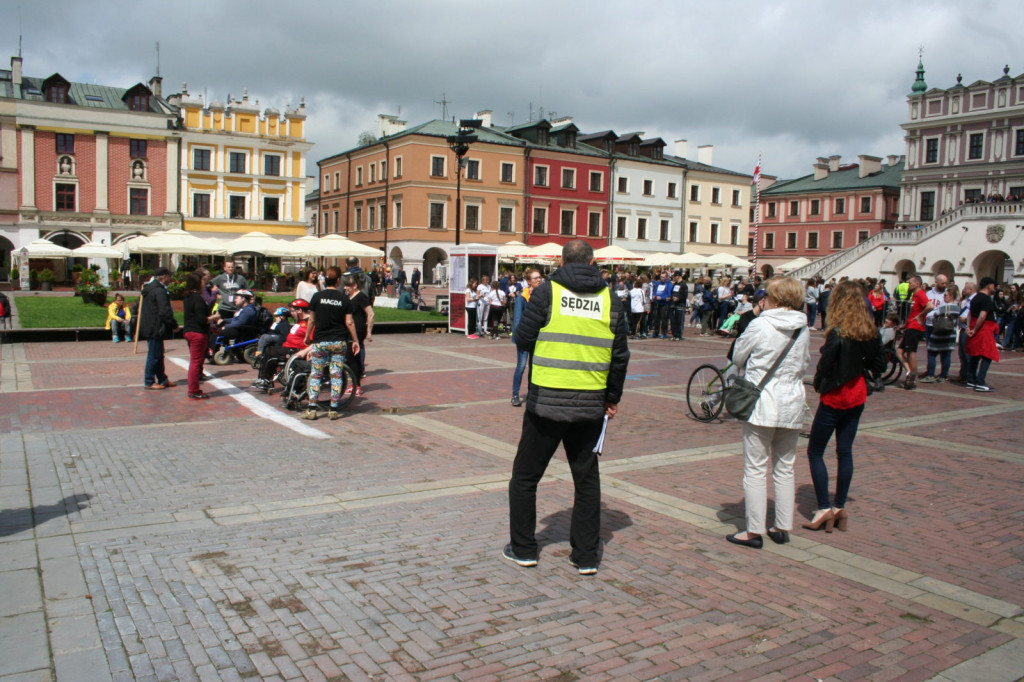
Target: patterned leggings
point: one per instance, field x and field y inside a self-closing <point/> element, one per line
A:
<point x="330" y="353"/>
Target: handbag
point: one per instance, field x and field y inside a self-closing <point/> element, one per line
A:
<point x="742" y="396"/>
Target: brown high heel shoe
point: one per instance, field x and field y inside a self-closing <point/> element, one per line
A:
<point x="840" y="517"/>
<point x="825" y="519"/>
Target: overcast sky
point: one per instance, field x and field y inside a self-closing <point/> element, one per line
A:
<point x="791" y="80"/>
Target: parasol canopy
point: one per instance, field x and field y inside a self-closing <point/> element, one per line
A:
<point x="96" y="250"/>
<point x="262" y="243"/>
<point x="616" y="254"/>
<point x="334" y="246"/>
<point x="44" y="248"/>
<point x="176" y="242"/>
<point x="794" y="264"/>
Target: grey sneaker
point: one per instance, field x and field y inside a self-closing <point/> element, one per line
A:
<point x="310" y="414"/>
<point x="929" y="380"/>
<point x="511" y="556"/>
<point x="584" y="569"/>
<point x="516" y="402"/>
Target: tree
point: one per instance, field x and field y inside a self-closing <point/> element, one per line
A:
<point x="366" y="137"/>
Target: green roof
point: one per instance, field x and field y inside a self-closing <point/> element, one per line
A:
<point x="88" y="95"/>
<point x="846" y="178"/>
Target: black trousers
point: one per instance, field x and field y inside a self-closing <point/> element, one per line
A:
<point x="538" y="442"/>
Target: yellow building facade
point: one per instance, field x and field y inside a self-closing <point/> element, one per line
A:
<point x="243" y="169"/>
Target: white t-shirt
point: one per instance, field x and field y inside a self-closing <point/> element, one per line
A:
<point x="482" y="291"/>
<point x="724" y="293"/>
<point x="937" y="298"/>
<point x="470" y="298"/>
<point x="636" y="300"/>
<point x="496" y="297"/>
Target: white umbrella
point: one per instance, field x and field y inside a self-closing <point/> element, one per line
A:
<point x="96" y="250"/>
<point x="676" y="260"/>
<point x="334" y="246"/>
<point x="794" y="264"/>
<point x="177" y="242"/>
<point x="44" y="248"/>
<point x="728" y="260"/>
<point x="512" y="249"/>
<point x="616" y="254"/>
<point x="542" y="253"/>
<point x="262" y="243"/>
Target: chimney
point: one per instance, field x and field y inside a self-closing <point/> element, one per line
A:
<point x="561" y="121"/>
<point x="820" y="170"/>
<point x="893" y="159"/>
<point x="833" y="162"/>
<point x="484" y="116"/>
<point x="705" y="153"/>
<point x="389" y="125"/>
<point x="156" y="84"/>
<point x="869" y="165"/>
<point x="16" y="71"/>
<point x="680" y="148"/>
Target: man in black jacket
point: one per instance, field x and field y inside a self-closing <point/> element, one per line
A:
<point x="576" y="333"/>
<point x="156" y="323"/>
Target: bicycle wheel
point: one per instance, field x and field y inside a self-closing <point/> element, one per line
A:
<point x="705" y="393"/>
<point x="347" y="389"/>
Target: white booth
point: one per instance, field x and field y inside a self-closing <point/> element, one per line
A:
<point x="467" y="260"/>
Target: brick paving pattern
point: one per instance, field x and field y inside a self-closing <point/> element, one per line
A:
<point x="147" y="537"/>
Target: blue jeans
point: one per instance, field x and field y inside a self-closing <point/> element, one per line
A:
<point x="155" y="372"/>
<point x="844" y="424"/>
<point x="945" y="356"/>
<point x="812" y="314"/>
<point x="522" y="362"/>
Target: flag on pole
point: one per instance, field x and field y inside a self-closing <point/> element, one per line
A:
<point x="757" y="172"/>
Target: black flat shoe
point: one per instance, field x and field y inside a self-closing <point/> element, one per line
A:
<point x="756" y="543"/>
<point x="779" y="537"/>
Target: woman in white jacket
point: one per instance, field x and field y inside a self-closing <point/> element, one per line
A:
<point x="774" y="427"/>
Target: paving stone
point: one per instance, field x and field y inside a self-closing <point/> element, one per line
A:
<point x="24" y="638"/>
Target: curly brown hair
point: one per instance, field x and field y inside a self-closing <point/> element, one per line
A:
<point x="848" y="313"/>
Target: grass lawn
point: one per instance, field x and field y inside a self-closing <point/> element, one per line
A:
<point x="69" y="312"/>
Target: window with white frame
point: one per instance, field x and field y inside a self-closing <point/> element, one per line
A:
<point x="200" y="205"/>
<point x="772" y="209"/>
<point x="472" y="169"/>
<point x="648" y="188"/>
<point x="812" y="240"/>
<point x="769" y="241"/>
<point x="736" y="197"/>
<point x="237" y="162"/>
<point x="794" y="208"/>
<point x="568" y="223"/>
<point x="694" y="192"/>
<point x="694" y="231"/>
<point x="791" y="240"/>
<point x="975" y="145"/>
<point x="201" y="159"/>
<point x="931" y="150"/>
<point x="837" y="239"/>
<point x="623" y="185"/>
<point x="641" y="228"/>
<point x="271" y="208"/>
<point x="672" y="189"/>
<point x="506" y="217"/>
<point x="568" y="178"/>
<point x="620" y="227"/>
<point x="594" y="224"/>
<point x="865" y="204"/>
<point x="863" y="236"/>
<point x="359" y="176"/>
<point x="540" y="219"/>
<point x="840" y="206"/>
<point x="714" y="233"/>
<point x="664" y="230"/>
<point x="236" y="207"/>
<point x="815" y="206"/>
<point x="398" y="166"/>
<point x="373" y="173"/>
<point x="358" y="218"/>
<point x="371" y="216"/>
<point x="271" y="164"/>
<point x="716" y="195"/>
<point x="596" y="181"/>
<point x="436" y="215"/>
<point x="540" y="176"/>
<point x="383" y="210"/>
<point x="508" y="172"/>
<point x="337" y="181"/>
<point x="734" y="234"/>
<point x="472" y="217"/>
<point x="138" y="201"/>
<point x="437" y="167"/>
<point x="398" y="214"/>
<point x="1018" y="146"/>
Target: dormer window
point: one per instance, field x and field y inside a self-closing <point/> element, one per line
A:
<point x="138" y="102"/>
<point x="57" y="93"/>
<point x="542" y="136"/>
<point x="570" y="139"/>
<point x="634" y="149"/>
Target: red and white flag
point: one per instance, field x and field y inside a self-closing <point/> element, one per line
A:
<point x="757" y="172"/>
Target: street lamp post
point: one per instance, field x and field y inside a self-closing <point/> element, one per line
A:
<point x="460" y="145"/>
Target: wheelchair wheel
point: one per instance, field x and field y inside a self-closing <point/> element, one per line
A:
<point x="222" y="357"/>
<point x="249" y="355"/>
<point x="705" y="393"/>
<point x="893" y="369"/>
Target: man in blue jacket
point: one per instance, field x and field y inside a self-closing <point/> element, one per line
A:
<point x="661" y="297"/>
<point x="577" y="334"/>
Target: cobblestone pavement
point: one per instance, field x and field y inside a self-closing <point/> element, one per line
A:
<point x="144" y="536"/>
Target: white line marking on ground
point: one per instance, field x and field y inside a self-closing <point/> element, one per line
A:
<point x="258" y="407"/>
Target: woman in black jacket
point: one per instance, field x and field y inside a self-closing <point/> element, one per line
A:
<point x="852" y="345"/>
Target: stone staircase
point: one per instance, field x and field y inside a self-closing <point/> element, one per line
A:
<point x="832" y="265"/>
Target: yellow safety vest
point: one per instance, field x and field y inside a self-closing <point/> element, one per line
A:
<point x="574" y="350"/>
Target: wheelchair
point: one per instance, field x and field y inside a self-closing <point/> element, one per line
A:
<point x="294" y="376"/>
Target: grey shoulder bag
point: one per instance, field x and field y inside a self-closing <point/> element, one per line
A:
<point x="742" y="396"/>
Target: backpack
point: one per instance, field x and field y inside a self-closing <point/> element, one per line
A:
<point x="263" y="318"/>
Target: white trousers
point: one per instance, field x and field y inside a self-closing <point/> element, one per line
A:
<point x="761" y="443"/>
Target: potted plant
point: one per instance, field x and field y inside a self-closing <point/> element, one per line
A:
<point x="99" y="295"/>
<point x="46" y="278"/>
<point x="86" y="284"/>
<point x="76" y="272"/>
